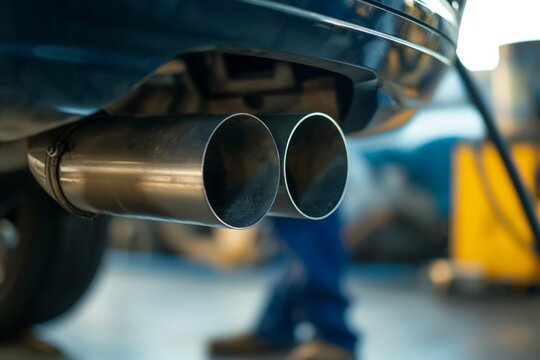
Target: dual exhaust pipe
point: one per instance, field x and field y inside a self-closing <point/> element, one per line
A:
<point x="214" y="170"/>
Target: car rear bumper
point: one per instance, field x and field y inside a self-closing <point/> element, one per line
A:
<point x="60" y="63"/>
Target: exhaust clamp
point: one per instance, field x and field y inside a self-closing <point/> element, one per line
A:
<point x="54" y="152"/>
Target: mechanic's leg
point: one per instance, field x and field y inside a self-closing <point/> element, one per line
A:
<point x="274" y="333"/>
<point x="283" y="311"/>
<point x="318" y="246"/>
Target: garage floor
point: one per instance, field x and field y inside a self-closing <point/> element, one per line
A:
<point x="152" y="307"/>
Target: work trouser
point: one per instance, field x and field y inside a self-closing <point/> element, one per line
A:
<point x="310" y="288"/>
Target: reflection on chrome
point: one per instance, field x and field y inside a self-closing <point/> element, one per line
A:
<point x="213" y="170"/>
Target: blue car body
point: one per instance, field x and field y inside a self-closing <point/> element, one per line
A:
<point x="62" y="60"/>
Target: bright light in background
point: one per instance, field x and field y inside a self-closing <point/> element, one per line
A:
<point x="487" y="24"/>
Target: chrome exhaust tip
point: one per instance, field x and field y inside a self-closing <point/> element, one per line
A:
<point x="213" y="170"/>
<point x="314" y="165"/>
<point x="241" y="171"/>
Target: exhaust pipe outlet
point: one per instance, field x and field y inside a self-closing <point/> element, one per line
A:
<point x="213" y="170"/>
<point x="314" y="165"/>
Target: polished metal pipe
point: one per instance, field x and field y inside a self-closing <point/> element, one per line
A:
<point x="314" y="167"/>
<point x="212" y="170"/>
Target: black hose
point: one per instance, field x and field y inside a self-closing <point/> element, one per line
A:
<point x="502" y="148"/>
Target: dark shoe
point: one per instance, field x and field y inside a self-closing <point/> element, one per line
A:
<point x="319" y="350"/>
<point x="25" y="345"/>
<point x="247" y="345"/>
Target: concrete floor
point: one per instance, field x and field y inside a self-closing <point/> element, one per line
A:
<point x="149" y="307"/>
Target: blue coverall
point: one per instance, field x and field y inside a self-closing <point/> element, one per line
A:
<point x="310" y="289"/>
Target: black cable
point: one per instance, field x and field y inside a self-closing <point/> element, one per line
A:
<point x="502" y="148"/>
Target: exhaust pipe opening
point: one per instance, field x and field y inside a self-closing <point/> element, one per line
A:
<point x="239" y="172"/>
<point x="213" y="170"/>
<point x="314" y="165"/>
